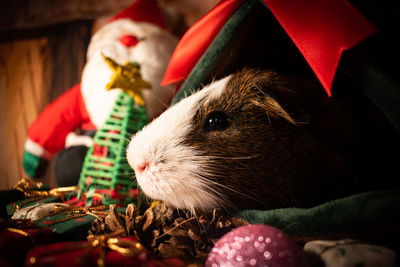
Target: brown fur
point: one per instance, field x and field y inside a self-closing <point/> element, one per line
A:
<point x="288" y="143"/>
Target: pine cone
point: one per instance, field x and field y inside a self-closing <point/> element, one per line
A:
<point x="114" y="221"/>
<point x="98" y="227"/>
<point x="169" y="233"/>
<point x="131" y="212"/>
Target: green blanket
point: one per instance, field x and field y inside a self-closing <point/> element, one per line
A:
<point x="353" y="214"/>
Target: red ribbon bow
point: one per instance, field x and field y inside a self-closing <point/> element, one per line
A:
<point x="321" y="30"/>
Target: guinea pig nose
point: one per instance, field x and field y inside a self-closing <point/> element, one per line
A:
<point x="141" y="167"/>
<point x="128" y="40"/>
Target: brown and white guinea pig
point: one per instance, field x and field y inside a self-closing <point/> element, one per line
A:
<point x="254" y="139"/>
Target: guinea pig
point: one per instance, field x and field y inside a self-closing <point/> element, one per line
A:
<point x="255" y="139"/>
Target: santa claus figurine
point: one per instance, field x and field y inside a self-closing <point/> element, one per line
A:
<point x="136" y="35"/>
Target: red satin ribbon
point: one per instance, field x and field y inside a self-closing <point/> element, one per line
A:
<point x="321" y="30"/>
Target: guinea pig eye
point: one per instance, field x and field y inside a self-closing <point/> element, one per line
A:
<point x="216" y="121"/>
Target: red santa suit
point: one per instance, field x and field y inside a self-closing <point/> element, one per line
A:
<point x="137" y="34"/>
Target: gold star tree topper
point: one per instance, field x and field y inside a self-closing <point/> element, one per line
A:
<point x="127" y="77"/>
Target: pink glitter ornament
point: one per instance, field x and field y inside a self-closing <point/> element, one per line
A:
<point x="256" y="245"/>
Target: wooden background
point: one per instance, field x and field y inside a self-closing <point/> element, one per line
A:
<point x="42" y="53"/>
<point x="23" y="93"/>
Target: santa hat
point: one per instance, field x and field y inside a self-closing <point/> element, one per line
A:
<point x="143" y="11"/>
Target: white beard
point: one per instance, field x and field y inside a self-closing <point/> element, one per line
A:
<point x="152" y="53"/>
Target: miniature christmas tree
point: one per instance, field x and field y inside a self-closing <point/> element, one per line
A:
<point x="105" y="165"/>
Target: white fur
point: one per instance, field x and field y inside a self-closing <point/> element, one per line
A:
<point x="152" y="53"/>
<point x="175" y="170"/>
<point x="36" y="149"/>
<point x="73" y="139"/>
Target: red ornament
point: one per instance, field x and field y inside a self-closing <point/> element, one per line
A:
<point x="256" y="245"/>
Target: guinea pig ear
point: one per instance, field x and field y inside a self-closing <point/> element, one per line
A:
<point x="272" y="107"/>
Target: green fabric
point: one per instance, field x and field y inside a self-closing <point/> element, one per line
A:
<point x="379" y="84"/>
<point x="350" y="213"/>
<point x="215" y="51"/>
<point x="72" y="229"/>
<point x="30" y="163"/>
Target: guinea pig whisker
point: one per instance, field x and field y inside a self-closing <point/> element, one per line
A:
<point x="160" y="101"/>
<point x="120" y="135"/>
<point x="221" y="185"/>
<point x="222" y="175"/>
<point x="243" y="157"/>
<point x="126" y="139"/>
<point x="175" y="227"/>
<point x="201" y="186"/>
<point x="176" y="197"/>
